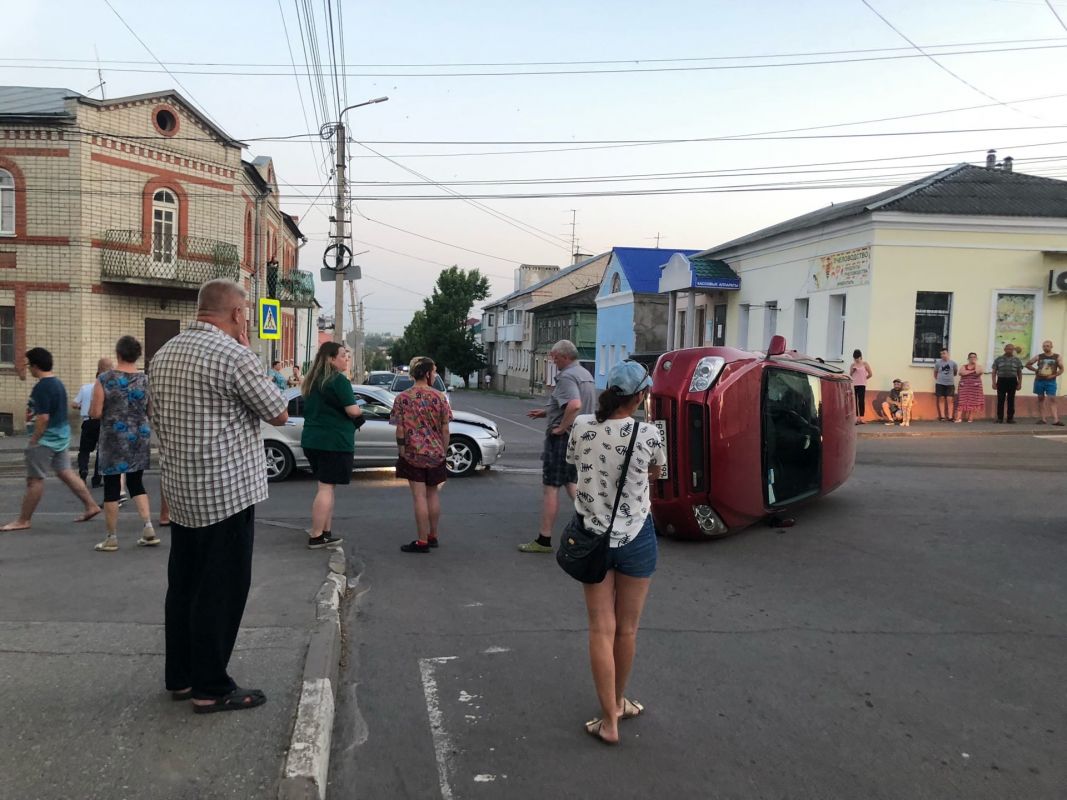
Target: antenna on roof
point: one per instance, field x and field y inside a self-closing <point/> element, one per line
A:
<point x="574" y="225"/>
<point x="99" y="76"/>
<point x="657" y="237"/>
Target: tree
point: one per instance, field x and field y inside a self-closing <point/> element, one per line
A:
<point x="440" y="329"/>
<point x="377" y="360"/>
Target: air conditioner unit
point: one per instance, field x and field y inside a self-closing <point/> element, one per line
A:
<point x="1057" y="281"/>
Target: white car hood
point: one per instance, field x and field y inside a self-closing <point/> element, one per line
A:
<point x="473" y="419"/>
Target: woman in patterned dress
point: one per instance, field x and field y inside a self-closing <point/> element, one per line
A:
<point x="421" y="415"/>
<point x="971" y="396"/>
<point x="120" y="402"/>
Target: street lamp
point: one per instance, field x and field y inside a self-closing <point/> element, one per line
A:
<point x="337" y="130"/>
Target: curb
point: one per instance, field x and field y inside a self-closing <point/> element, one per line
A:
<point x="307" y="764"/>
<point x="955" y="432"/>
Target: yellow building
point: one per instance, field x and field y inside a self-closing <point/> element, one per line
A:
<point x="961" y="259"/>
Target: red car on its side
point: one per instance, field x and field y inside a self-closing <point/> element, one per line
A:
<point x="748" y="436"/>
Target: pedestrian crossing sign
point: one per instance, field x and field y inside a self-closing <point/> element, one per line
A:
<point x="270" y="312"/>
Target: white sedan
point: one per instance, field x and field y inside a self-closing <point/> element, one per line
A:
<point x="473" y="439"/>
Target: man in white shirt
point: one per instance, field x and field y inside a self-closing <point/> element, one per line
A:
<point x="90" y="430"/>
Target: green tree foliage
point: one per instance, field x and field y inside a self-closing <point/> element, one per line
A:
<point x="376" y="360"/>
<point x="440" y="329"/>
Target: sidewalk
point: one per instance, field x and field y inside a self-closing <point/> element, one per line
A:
<point x="876" y="429"/>
<point x="82" y="664"/>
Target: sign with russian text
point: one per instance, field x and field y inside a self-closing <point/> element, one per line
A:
<point x="270" y="314"/>
<point x="842" y="270"/>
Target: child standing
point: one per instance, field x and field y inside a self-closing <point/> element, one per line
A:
<point x="421" y="415"/>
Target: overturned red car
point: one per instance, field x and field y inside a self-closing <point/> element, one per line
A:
<point x="748" y="436"/>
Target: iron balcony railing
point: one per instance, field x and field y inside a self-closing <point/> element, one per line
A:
<point x="295" y="289"/>
<point x="184" y="261"/>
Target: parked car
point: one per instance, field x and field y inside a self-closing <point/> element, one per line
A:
<point x="748" y="436"/>
<point x="473" y="440"/>
<point x="402" y="382"/>
<point x="380" y="378"/>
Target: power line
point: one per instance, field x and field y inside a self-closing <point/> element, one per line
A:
<point x="300" y="92"/>
<point x="319" y="72"/>
<point x="937" y="63"/>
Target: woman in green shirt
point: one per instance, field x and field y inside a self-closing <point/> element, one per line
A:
<point x="328" y="439"/>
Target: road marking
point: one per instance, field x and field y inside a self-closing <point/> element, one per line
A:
<point x="517" y="470"/>
<point x="1055" y="437"/>
<point x="508" y="419"/>
<point x="496" y="649"/>
<point x="442" y="742"/>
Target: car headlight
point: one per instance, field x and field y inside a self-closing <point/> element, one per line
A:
<point x="708" y="521"/>
<point x="707" y="370"/>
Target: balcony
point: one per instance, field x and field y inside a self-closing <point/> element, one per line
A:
<point x="295" y="289"/>
<point x="184" y="262"/>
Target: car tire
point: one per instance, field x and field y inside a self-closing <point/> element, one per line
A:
<point x="462" y="457"/>
<point x="280" y="461"/>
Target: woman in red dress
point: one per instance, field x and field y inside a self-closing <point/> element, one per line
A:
<point x="971" y="397"/>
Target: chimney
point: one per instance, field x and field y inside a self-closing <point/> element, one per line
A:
<point x="1008" y="161"/>
<point x="578" y="257"/>
<point x="991" y="159"/>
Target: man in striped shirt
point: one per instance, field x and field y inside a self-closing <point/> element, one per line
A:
<point x="208" y="394"/>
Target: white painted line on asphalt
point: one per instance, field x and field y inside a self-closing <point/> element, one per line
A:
<point x="518" y="470"/>
<point x="496" y="649"/>
<point x="508" y="419"/>
<point x="442" y="742"/>
<point x="1055" y="437"/>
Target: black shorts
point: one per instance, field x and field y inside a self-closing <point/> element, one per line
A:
<point x="431" y="476"/>
<point x="555" y="471"/>
<point x="330" y="466"/>
<point x="941" y="390"/>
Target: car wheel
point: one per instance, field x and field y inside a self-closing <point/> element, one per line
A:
<point x="462" y="457"/>
<point x="280" y="461"/>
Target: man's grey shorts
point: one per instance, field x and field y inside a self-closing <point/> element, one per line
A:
<point x="41" y="459"/>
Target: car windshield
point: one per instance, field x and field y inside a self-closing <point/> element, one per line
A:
<point x="380" y="379"/>
<point x="402" y="382"/>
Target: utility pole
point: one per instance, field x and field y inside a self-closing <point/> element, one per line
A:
<point x="357" y="334"/>
<point x="339" y="237"/>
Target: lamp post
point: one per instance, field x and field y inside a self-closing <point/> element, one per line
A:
<point x="337" y="130"/>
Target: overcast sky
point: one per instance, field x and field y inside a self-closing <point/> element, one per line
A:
<point x="671" y="70"/>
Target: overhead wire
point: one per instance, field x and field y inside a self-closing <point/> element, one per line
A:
<point x="300" y="95"/>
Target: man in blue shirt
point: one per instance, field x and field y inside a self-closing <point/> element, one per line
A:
<point x="46" y="418"/>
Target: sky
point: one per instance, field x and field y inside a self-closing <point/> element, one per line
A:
<point x="596" y="99"/>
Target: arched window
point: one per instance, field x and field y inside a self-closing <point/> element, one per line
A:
<point x="164" y="226"/>
<point x="616" y="283"/>
<point x="7" y="203"/>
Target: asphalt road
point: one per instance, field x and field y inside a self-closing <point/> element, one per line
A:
<point x="904" y="640"/>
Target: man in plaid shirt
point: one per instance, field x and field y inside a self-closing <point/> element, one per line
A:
<point x="208" y="394"/>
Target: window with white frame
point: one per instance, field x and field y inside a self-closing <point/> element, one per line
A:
<point x="489" y="321"/>
<point x="933" y="317"/>
<point x="164" y="226"/>
<point x="616" y="284"/>
<point x="835" y="339"/>
<point x="7" y="203"/>
<point x="7" y="334"/>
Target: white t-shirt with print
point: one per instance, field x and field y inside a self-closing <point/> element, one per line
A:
<point x="598" y="450"/>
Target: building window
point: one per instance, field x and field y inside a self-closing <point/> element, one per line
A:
<point x="7" y="203"/>
<point x="7" y="335"/>
<point x="616" y="283"/>
<point x="490" y="321"/>
<point x="164" y="222"/>
<point x="933" y="315"/>
<point x="165" y="121"/>
<point x="835" y="341"/>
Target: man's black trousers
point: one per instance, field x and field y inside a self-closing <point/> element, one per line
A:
<point x="90" y="436"/>
<point x="1006" y="389"/>
<point x="208" y="577"/>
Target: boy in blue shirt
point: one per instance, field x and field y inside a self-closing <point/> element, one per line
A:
<point x="49" y="430"/>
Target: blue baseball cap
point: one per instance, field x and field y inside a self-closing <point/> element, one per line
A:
<point x="629" y="377"/>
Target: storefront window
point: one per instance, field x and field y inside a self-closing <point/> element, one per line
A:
<point x="933" y="315"/>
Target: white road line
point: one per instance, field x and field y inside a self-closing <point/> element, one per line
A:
<point x="509" y="419"/>
<point x="1055" y="437"/>
<point x="442" y="743"/>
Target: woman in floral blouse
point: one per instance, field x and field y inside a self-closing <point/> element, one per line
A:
<point x="421" y="416"/>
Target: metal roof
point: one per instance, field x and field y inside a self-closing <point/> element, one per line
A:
<point x="964" y="189"/>
<point x="641" y="265"/>
<point x="534" y="287"/>
<point x="713" y="273"/>
<point x="35" y="101"/>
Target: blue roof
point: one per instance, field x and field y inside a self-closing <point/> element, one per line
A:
<point x="641" y="265"/>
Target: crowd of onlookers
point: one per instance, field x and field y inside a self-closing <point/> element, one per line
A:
<point x="959" y="391"/>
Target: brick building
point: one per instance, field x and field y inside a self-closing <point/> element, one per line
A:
<point x="112" y="213"/>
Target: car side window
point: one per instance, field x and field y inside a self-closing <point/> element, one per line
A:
<point x="371" y="408"/>
<point x="296" y="406"/>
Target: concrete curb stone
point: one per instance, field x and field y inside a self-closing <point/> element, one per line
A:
<point x="308" y="761"/>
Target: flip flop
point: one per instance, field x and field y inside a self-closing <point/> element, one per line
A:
<point x="593" y="727"/>
<point x="11" y="527"/>
<point x="630" y="709"/>
<point x="88" y="515"/>
<point x="237" y="700"/>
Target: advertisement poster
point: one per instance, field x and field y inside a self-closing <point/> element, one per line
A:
<point x="841" y="270"/>
<point x="1014" y="323"/>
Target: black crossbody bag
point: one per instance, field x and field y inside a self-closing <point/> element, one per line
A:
<point x="583" y="553"/>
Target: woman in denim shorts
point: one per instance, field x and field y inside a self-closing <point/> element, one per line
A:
<point x="597" y="447"/>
